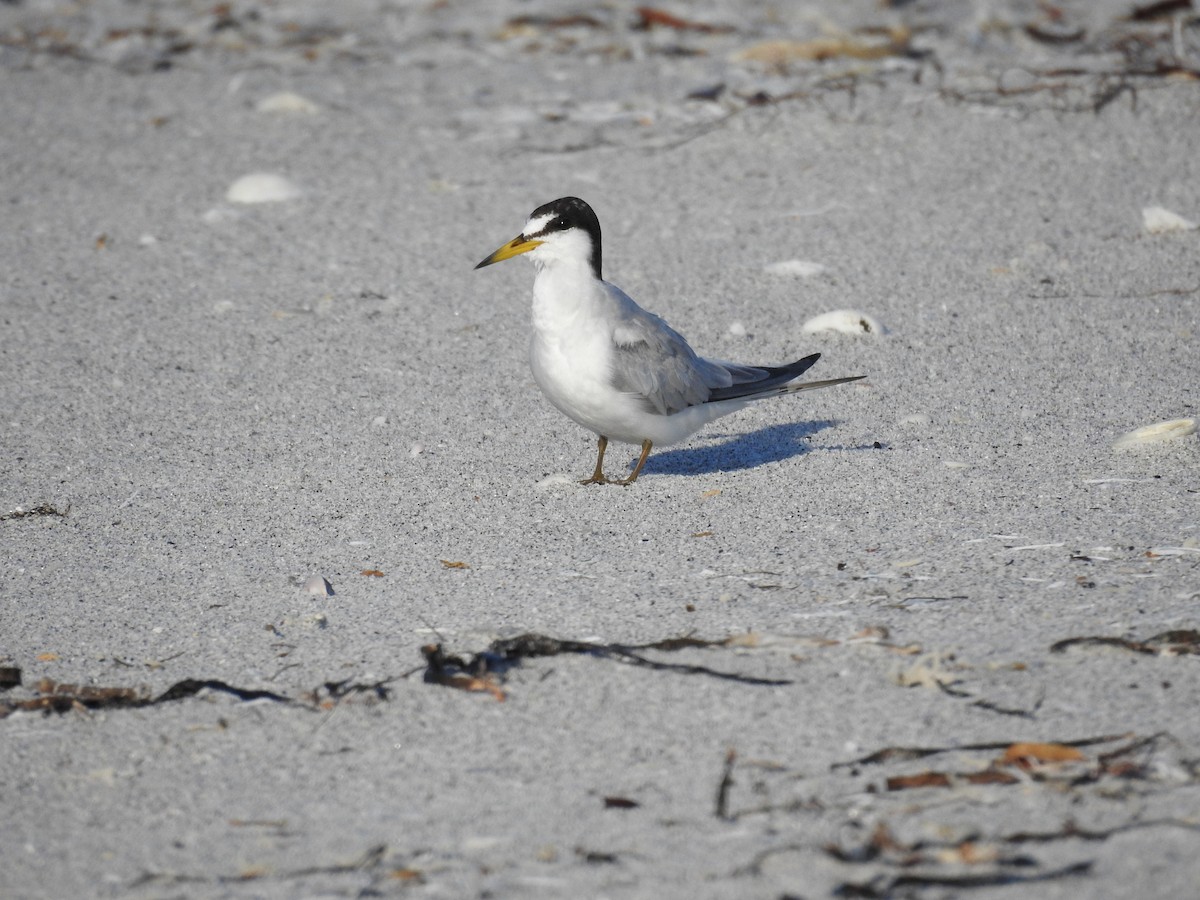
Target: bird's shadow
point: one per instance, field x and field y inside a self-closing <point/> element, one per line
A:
<point x="738" y="451"/>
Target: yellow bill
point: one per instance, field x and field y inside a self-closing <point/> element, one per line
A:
<point x="515" y="247"/>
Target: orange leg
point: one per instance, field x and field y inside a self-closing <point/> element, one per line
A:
<point x="598" y="475"/>
<point x="637" y="470"/>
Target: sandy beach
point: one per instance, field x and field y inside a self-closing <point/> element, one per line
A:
<point x="300" y="596"/>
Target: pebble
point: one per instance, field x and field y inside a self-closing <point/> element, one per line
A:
<point x="262" y="187"/>
<point x="287" y="103"/>
<point x="797" y="268"/>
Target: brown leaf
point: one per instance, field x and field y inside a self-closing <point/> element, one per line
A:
<point x="472" y="683"/>
<point x="451" y="564"/>
<point x="372" y="573"/>
<point x="86" y="693"/>
<point x="947" y="779"/>
<point x="1026" y="754"/>
<point x="989" y="776"/>
<point x="778" y="54"/>
<point x="970" y="853"/>
<point x="648" y="17"/>
<point x="920" y="780"/>
<point x="869" y="635"/>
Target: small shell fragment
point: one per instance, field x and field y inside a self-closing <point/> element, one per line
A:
<point x="288" y="103"/>
<point x="262" y="187"/>
<point x="317" y="586"/>
<point x="1156" y="433"/>
<point x="798" y="268"/>
<point x="1157" y="220"/>
<point x="737" y="329"/>
<point x="558" y="479"/>
<point x="843" y="321"/>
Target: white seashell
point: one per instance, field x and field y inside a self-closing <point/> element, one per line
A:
<point x="557" y="480"/>
<point x="317" y="586"/>
<point x="1157" y="220"/>
<point x="219" y="214"/>
<point x="798" y="268"/>
<point x="262" y="187"/>
<point x="843" y="321"/>
<point x="1156" y="433"/>
<point x="287" y="102"/>
<point x="737" y="329"/>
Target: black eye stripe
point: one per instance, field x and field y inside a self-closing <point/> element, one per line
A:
<point x="556" y="224"/>
<point x="563" y="215"/>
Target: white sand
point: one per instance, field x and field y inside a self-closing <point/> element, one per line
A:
<point x="233" y="399"/>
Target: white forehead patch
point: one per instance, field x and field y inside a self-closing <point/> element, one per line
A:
<point x="536" y="224"/>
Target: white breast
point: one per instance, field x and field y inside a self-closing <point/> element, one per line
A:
<point x="572" y="354"/>
<point x="571" y="349"/>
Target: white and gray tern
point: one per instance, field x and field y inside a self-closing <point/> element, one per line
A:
<point x="611" y="366"/>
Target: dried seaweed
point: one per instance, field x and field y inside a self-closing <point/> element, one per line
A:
<point x="42" y="509"/>
<point x="919" y="860"/>
<point x="887" y="885"/>
<point x="10" y="677"/>
<point x="890" y="754"/>
<point x="58" y="697"/>
<point x="480" y="671"/>
<point x="371" y="861"/>
<point x="1178" y="642"/>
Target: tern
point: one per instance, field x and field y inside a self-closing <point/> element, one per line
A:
<point x="614" y="368"/>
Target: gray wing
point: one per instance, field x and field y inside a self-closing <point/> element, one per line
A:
<point x="654" y="362"/>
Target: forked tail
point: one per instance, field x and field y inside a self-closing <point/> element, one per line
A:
<point x="777" y="381"/>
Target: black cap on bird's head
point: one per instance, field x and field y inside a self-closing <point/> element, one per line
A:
<point x="556" y="217"/>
